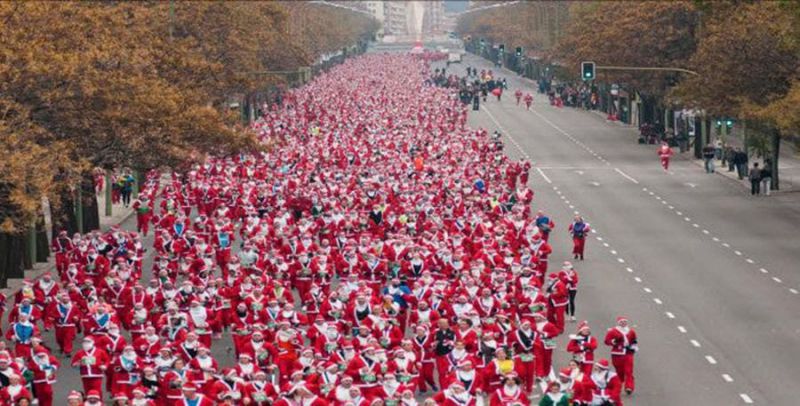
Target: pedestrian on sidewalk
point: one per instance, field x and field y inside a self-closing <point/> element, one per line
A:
<point x="727" y="157"/>
<point x="718" y="146"/>
<point x="740" y="161"/>
<point x="766" y="177"/>
<point x="708" y="157"/>
<point x="755" y="180"/>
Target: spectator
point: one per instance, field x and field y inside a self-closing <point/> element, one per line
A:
<point x="718" y="145"/>
<point x="708" y="157"/>
<point x="766" y="177"/>
<point x="727" y="157"/>
<point x="740" y="161"/>
<point x="755" y="180"/>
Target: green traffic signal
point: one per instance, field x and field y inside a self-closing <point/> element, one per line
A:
<point x="519" y="52"/>
<point x="588" y="70"/>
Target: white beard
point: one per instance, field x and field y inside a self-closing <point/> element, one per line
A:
<point x="342" y="394"/>
<point x="14" y="390"/>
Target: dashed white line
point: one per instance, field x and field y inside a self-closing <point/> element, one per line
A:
<point x="629" y="270"/>
<point x="599" y="238"/>
<point x="648" y="290"/>
<point x="793" y="290"/>
<point x="546" y="179"/>
<point x="613" y="252"/>
<point x="695" y="343"/>
<point x="687" y="219"/>
<point x="626" y="176"/>
<point x="727" y="378"/>
<point x="711" y="360"/>
<point x="657" y="300"/>
<point x="671" y="207"/>
<point x="670" y="315"/>
<point x="679" y="213"/>
<point x="682" y="329"/>
<point x="778" y="280"/>
<point x="715" y="239"/>
<point x="605" y="244"/>
<point x="651" y="193"/>
<point x="749" y="261"/>
<point x="726" y="245"/>
<point x="705" y="231"/>
<point x="746" y="398"/>
<point x="763" y="270"/>
<point x="739" y="253"/>
<point x="638" y="279"/>
<point x="620" y="260"/>
<point x="695" y="225"/>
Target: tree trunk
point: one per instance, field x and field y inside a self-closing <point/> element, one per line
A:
<point x="776" y="153"/>
<point x="42" y="243"/>
<point x="63" y="215"/>
<point x="12" y="257"/>
<point x="91" y="210"/>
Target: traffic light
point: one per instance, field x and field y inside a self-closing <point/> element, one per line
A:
<point x="519" y="52"/>
<point x="587" y="70"/>
<point x="483" y="42"/>
<point x="502" y="48"/>
<point x="719" y="123"/>
<point x="729" y="123"/>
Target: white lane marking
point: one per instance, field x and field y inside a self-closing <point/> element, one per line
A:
<point x="695" y="343"/>
<point x="644" y="189"/>
<point x="739" y="253"/>
<point x="605" y="244"/>
<point x="711" y="360"/>
<point x="691" y="185"/>
<point x="571" y="206"/>
<point x="695" y="225"/>
<point x="727" y="378"/>
<point x="595" y="183"/>
<point x="778" y="280"/>
<point x="613" y="252"/>
<point x="682" y="329"/>
<point x="658" y="197"/>
<point x="749" y="261"/>
<point x="576" y="212"/>
<point x="629" y="270"/>
<point x="664" y="202"/>
<point x="657" y="300"/>
<point x="679" y="213"/>
<point x="687" y="219"/>
<point x="620" y="260"/>
<point x="793" y="290"/>
<point x="566" y="201"/>
<point x="651" y="193"/>
<point x="726" y="245"/>
<point x="599" y="238"/>
<point x="670" y="315"/>
<point x="626" y="176"/>
<point x="715" y="239"/>
<point x="546" y="179"/>
<point x="705" y="231"/>
<point x="763" y="270"/>
<point x="671" y="207"/>
<point x="746" y="398"/>
<point x="638" y="279"/>
<point x="648" y="290"/>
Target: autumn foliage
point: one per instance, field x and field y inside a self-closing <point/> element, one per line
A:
<point x="138" y="84"/>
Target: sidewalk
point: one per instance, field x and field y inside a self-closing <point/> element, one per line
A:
<point x="788" y="165"/>
<point x="119" y="214"/>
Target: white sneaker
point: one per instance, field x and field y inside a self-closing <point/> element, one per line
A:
<point x="573" y="319"/>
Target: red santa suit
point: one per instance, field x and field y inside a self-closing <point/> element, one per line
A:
<point x="93" y="363"/>
<point x="505" y="396"/>
<point x="624" y="344"/>
<point x="44" y="366"/>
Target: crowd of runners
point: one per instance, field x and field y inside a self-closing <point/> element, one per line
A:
<point x="381" y="253"/>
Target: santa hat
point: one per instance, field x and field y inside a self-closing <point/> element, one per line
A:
<point x="93" y="394"/>
<point x="565" y="372"/>
<point x="582" y="325"/>
<point x="602" y="364"/>
<point x="465" y="363"/>
<point x="74" y="395"/>
<point x="621" y="318"/>
<point x="120" y="396"/>
<point x="139" y="389"/>
<point x="189" y="386"/>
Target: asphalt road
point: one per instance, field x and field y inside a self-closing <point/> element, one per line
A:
<point x="708" y="275"/>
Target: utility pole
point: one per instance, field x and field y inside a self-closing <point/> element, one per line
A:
<point x="109" y="206"/>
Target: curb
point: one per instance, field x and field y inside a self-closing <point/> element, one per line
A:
<point x="13" y="284"/>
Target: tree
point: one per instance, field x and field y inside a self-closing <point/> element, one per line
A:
<point x="645" y="34"/>
<point x="746" y="60"/>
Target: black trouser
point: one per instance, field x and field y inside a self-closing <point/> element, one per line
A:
<point x="755" y="186"/>
<point x="571" y="304"/>
<point x="126" y="196"/>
